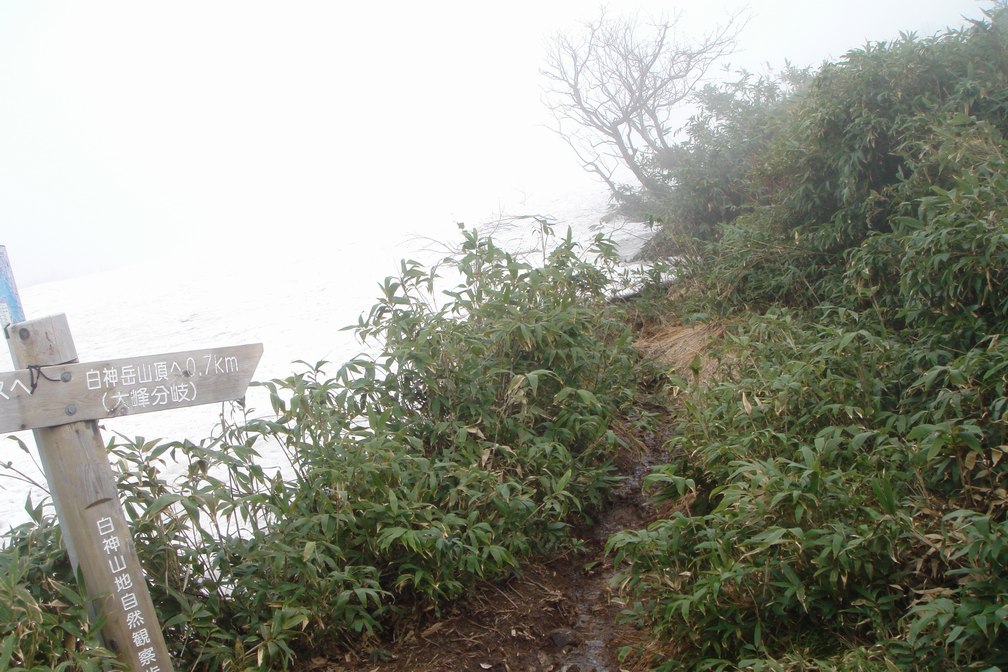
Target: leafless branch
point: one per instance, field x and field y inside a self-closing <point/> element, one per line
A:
<point x="614" y="89"/>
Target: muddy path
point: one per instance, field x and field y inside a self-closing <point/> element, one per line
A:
<point x="557" y="616"/>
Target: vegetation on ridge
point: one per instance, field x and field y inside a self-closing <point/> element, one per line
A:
<point x="481" y="430"/>
<point x="835" y="499"/>
<point x="839" y="488"/>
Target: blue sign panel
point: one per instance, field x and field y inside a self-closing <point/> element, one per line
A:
<point x="11" y="311"/>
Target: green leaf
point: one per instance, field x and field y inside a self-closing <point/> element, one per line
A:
<point x="7" y="651"/>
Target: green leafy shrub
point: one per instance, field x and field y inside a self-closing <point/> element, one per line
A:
<point x="839" y="487"/>
<point x="947" y="252"/>
<point x="43" y="612"/>
<point x="849" y="150"/>
<point x="476" y="434"/>
<point x="711" y="172"/>
<point x="840" y="510"/>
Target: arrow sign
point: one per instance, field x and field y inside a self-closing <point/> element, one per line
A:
<point x="47" y="396"/>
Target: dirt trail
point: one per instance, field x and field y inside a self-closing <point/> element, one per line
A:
<point x="557" y="616"/>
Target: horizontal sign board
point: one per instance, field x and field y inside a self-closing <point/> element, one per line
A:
<point x="56" y="395"/>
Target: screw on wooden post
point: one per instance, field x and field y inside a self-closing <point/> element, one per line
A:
<point x="94" y="528"/>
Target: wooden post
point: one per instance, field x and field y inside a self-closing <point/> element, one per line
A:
<point x="61" y="401"/>
<point x="94" y="527"/>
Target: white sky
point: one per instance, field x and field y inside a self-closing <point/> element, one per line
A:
<point x="201" y="131"/>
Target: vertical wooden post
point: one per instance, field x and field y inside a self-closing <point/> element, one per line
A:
<point x="94" y="527"/>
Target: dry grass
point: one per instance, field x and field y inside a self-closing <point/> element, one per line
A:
<point x="682" y="347"/>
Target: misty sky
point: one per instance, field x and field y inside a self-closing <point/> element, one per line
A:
<point x="209" y="132"/>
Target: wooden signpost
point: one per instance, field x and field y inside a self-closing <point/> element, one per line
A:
<point x="61" y="400"/>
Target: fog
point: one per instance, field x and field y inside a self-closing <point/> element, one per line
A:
<point x="160" y="136"/>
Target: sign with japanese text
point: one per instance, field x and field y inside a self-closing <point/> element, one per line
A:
<point x="48" y="396"/>
<point x="53" y="395"/>
<point x="126" y="598"/>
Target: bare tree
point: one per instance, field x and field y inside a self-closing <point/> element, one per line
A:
<point x="613" y="89"/>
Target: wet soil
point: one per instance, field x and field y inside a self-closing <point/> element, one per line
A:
<point x="559" y="615"/>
